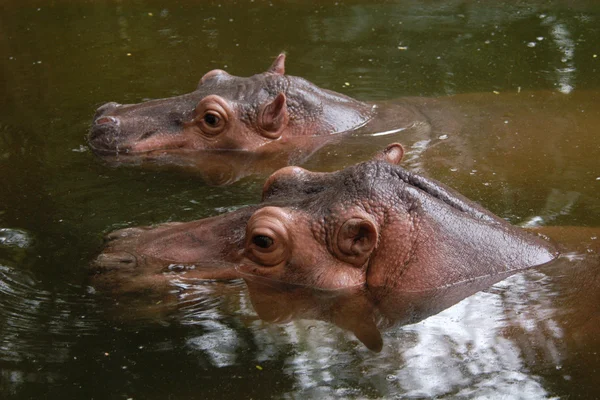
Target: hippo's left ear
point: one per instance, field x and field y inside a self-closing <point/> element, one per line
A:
<point x="278" y="66"/>
<point x="393" y="154"/>
<point x="356" y="239"/>
<point x="274" y="117"/>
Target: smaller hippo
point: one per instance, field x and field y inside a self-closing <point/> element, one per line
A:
<point x="227" y="112"/>
<point x="385" y="238"/>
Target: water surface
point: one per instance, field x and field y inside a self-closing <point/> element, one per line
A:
<point x="62" y="59"/>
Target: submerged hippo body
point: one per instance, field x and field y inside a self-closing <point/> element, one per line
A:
<point x="399" y="246"/>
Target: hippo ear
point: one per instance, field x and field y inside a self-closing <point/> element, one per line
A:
<point x="393" y="154"/>
<point x="356" y="239"/>
<point x="278" y="66"/>
<point x="274" y="117"/>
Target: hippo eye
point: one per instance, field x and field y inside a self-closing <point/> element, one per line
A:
<point x="267" y="237"/>
<point x="211" y="119"/>
<point x="264" y="242"/>
<point x="212" y="123"/>
<point x="212" y="115"/>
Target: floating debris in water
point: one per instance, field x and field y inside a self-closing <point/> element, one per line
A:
<point x="531" y="44"/>
<point x="346" y="83"/>
<point x="150" y="14"/>
<point x="495" y="92"/>
<point x="402" y="47"/>
<point x="442" y="137"/>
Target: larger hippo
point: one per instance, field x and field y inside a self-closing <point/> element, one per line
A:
<point x="230" y="127"/>
<point x="376" y="235"/>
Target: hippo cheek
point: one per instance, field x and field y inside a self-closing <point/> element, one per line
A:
<point x="251" y="271"/>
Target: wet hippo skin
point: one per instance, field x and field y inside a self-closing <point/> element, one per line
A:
<point x="228" y="112"/>
<point x="372" y="240"/>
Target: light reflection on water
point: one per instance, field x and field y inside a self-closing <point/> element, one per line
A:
<point x="489" y="344"/>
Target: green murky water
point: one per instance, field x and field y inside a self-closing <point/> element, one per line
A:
<point x="62" y="59"/>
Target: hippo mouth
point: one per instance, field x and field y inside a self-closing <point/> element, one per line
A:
<point x="102" y="143"/>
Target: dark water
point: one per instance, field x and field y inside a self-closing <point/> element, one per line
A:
<point x="62" y="59"/>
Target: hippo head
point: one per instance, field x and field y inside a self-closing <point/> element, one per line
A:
<point x="374" y="231"/>
<point x="225" y="112"/>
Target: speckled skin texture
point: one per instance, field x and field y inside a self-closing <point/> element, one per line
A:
<point x="250" y="112"/>
<point x="373" y="224"/>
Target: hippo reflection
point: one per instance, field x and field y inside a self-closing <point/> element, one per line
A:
<point x="388" y="240"/>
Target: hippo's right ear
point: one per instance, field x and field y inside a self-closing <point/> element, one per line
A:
<point x="393" y="154"/>
<point x="278" y="66"/>
<point x="356" y="239"/>
<point x="274" y="117"/>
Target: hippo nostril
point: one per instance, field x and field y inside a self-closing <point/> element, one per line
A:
<point x="124" y="233"/>
<point x="116" y="260"/>
<point x="107" y="120"/>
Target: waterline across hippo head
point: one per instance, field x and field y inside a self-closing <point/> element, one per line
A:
<point x="372" y="228"/>
<point x="226" y="112"/>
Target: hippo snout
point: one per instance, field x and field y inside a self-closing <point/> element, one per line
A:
<point x="105" y="133"/>
<point x="105" y="129"/>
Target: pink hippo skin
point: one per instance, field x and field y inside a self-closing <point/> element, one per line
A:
<point x="367" y="247"/>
